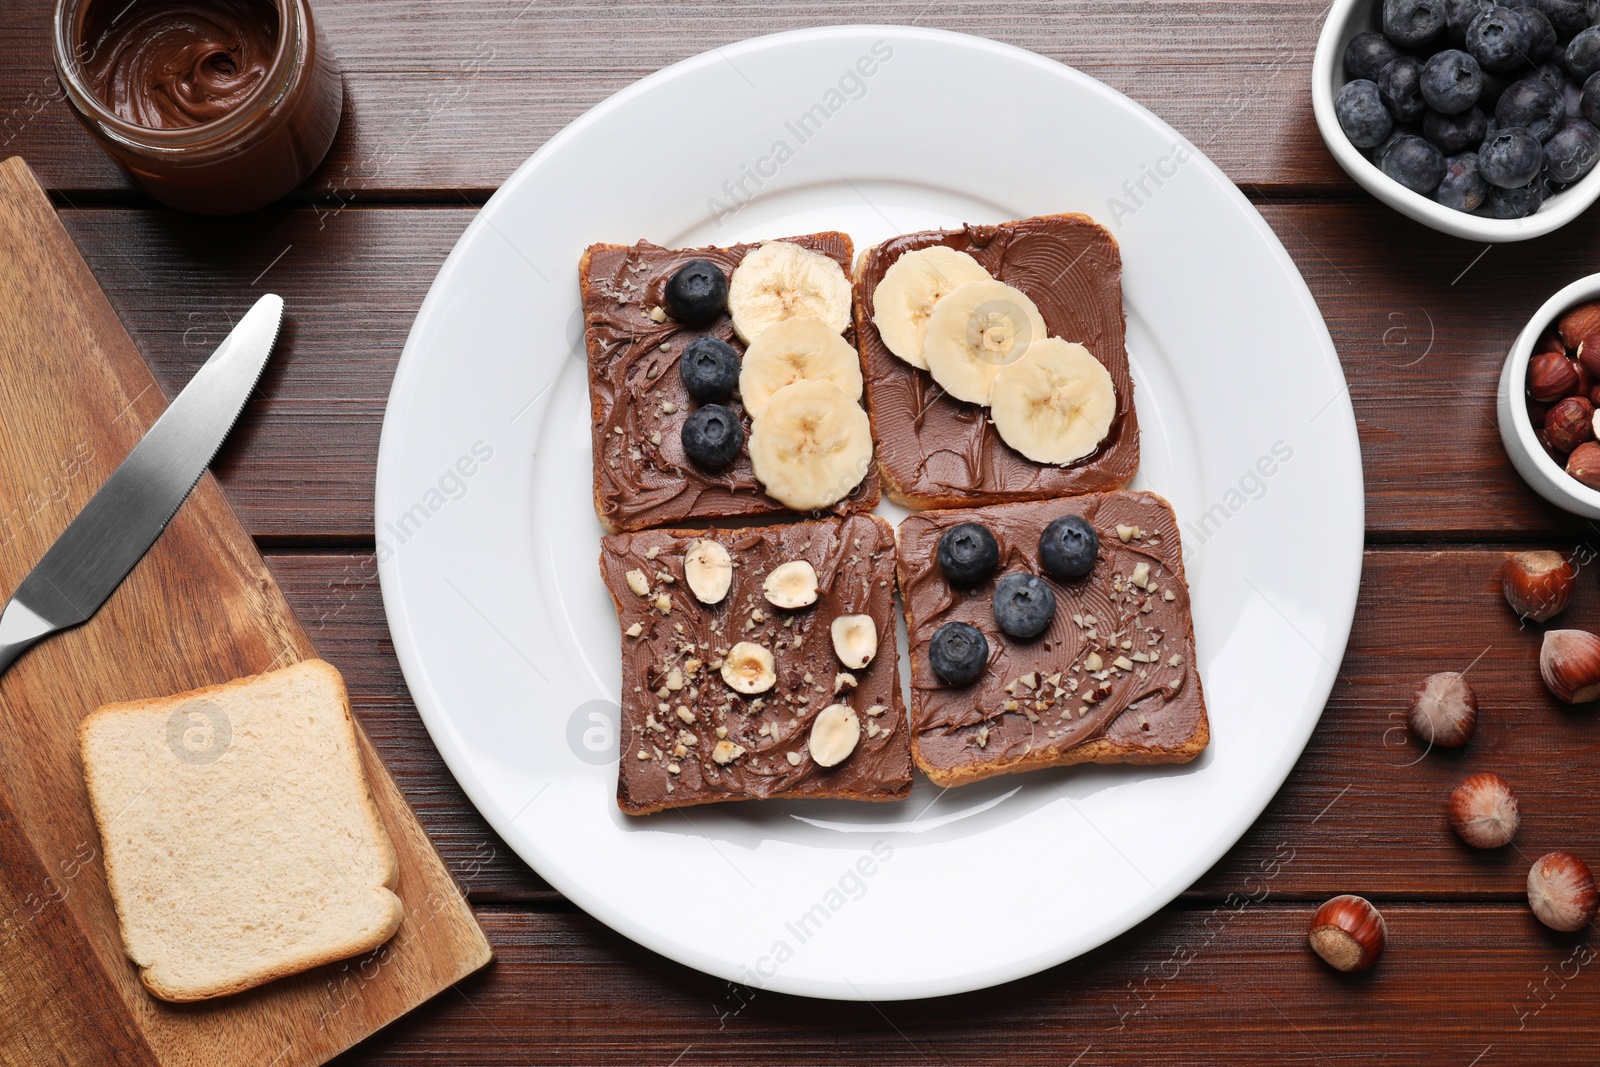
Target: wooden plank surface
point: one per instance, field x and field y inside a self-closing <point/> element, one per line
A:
<point x="454" y="94"/>
<point x="1421" y="321"/>
<point x="199" y="609"/>
<point x="1229" y="984"/>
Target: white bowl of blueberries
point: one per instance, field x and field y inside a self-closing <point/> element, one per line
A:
<point x="1477" y="118"/>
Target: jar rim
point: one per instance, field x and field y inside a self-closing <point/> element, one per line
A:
<point x="279" y="77"/>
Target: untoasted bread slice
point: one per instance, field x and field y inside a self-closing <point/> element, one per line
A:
<point x="240" y="837"/>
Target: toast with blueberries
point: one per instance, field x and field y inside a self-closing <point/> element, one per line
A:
<point x="1047" y="633"/>
<point x="995" y="362"/>
<point x="724" y="382"/>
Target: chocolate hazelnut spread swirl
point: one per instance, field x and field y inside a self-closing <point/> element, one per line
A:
<point x="941" y="452"/>
<point x="1153" y="703"/>
<point x="638" y="399"/>
<point x="171" y="64"/>
<point x="854" y="561"/>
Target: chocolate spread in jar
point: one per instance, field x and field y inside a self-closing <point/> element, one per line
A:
<point x="171" y="64"/>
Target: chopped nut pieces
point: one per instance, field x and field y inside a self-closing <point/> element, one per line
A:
<point x="635" y="630"/>
<point x="726" y="752"/>
<point x="834" y="735"/>
<point x="663" y="604"/>
<point x="638" y="582"/>
<point x="708" y="569"/>
<point x="843" y="679"/>
<point x="794" y="759"/>
<point x="791" y="585"/>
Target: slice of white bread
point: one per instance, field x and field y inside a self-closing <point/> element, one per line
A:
<point x="240" y="836"/>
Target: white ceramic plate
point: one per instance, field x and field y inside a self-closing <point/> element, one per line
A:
<point x="488" y="541"/>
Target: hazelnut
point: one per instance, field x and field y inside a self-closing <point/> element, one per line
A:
<point x="1483" y="811"/>
<point x="1585" y="381"/>
<point x="1537" y="585"/>
<point x="1550" y="342"/>
<point x="1570" y="423"/>
<point x="1569" y="662"/>
<point x="1561" y="891"/>
<point x="1584" y="464"/>
<point x="1551" y="376"/>
<point x="1444" y="710"/>
<point x="1537" y="412"/>
<point x="1589" y="354"/>
<point x="1579" y="322"/>
<point x="1348" y="933"/>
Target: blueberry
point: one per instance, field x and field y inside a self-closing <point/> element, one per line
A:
<point x="712" y="436"/>
<point x="1362" y="115"/>
<point x="1462" y="187"/>
<point x="1532" y="104"/>
<point x="1383" y="149"/>
<point x="1499" y="39"/>
<point x="696" y="292"/>
<point x="1583" y="54"/>
<point x="1415" y="163"/>
<point x="1458" y="15"/>
<point x="1550" y="70"/>
<point x="1068" y="548"/>
<point x="1571" y="153"/>
<point x="1455" y="133"/>
<point x="1367" y="53"/>
<point x="1023" y="605"/>
<point x="1413" y="23"/>
<point x="1591" y="100"/>
<point x="1544" y="44"/>
<point x="968" y="553"/>
<point x="958" y="652"/>
<point x="1400" y="86"/>
<point x="1451" y="81"/>
<point x="710" y="368"/>
<point x="1493" y="86"/>
<point x="1514" y="203"/>
<point x="1510" y="158"/>
<point x="1567" y="16"/>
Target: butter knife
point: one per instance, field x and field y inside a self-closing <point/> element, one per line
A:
<point x="123" y="519"/>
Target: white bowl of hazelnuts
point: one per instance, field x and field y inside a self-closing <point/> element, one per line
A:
<point x="1548" y="391"/>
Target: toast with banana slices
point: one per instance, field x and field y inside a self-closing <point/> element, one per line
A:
<point x="724" y="382"/>
<point x="995" y="362"/>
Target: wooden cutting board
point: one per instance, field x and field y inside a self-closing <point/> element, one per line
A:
<point x="201" y="608"/>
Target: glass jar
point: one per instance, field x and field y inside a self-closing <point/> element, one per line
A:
<point x="253" y="153"/>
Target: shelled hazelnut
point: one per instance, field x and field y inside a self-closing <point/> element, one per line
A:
<point x="1561" y="892"/>
<point x="1444" y="710"/>
<point x="1483" y="811"/>
<point x="1570" y="423"/>
<point x="1589" y="354"/>
<point x="1551" y="377"/>
<point x="1569" y="663"/>
<point x="1348" y="933"/>
<point x="1584" y="464"/>
<point x="1579" y="322"/>
<point x="1538" y="585"/>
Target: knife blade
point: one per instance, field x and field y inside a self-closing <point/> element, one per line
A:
<point x="122" y="520"/>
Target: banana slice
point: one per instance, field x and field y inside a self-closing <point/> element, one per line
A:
<point x="781" y="281"/>
<point x="973" y="332"/>
<point x="1055" y="404"/>
<point x="794" y="350"/>
<point x="811" y="446"/>
<point x="910" y="288"/>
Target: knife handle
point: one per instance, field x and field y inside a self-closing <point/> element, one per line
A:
<point x="20" y="629"/>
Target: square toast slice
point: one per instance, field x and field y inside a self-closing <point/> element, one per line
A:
<point x="1112" y="680"/>
<point x="241" y="840"/>
<point x="642" y="478"/>
<point x="938" y="452"/>
<point x="687" y="736"/>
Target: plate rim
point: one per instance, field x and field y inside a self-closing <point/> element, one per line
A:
<point x="429" y="705"/>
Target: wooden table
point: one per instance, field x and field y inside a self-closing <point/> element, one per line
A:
<point x="446" y="98"/>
